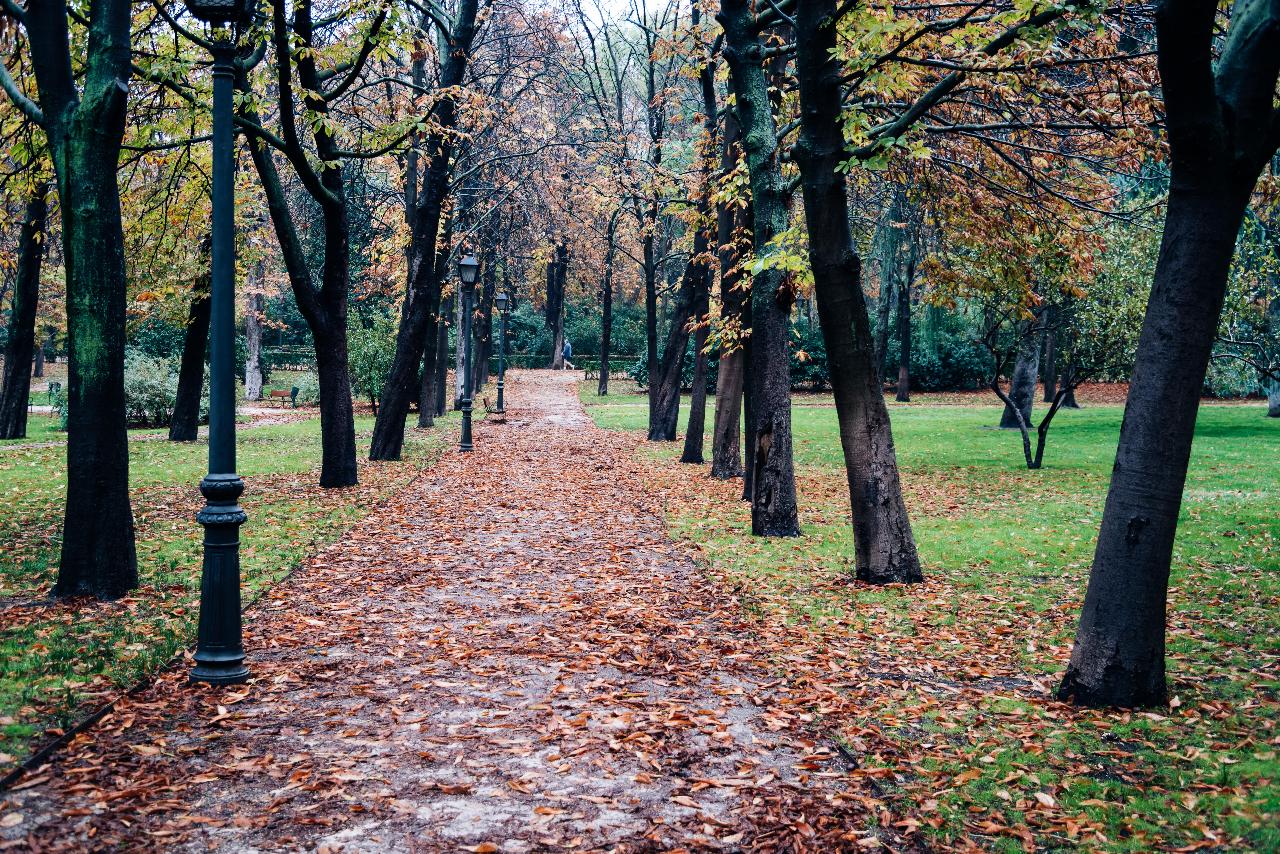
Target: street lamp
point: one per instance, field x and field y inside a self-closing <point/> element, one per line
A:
<point x="504" y="303"/>
<point x="468" y="267"/>
<point x="219" y="648"/>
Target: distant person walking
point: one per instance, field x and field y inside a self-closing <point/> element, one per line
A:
<point x="566" y="354"/>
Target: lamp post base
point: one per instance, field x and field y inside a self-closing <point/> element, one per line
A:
<point x="501" y="408"/>
<point x="219" y="648"/>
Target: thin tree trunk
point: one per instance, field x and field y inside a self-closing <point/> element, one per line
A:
<point x="15" y="388"/>
<point x="773" y="488"/>
<point x="484" y="328"/>
<point x="1214" y="109"/>
<point x="904" y="340"/>
<point x="419" y="319"/>
<point x="649" y="224"/>
<point x="254" y="308"/>
<point x="185" y="421"/>
<point x="606" y="304"/>
<point x="37" y="372"/>
<point x="735" y="301"/>
<point x="889" y="240"/>
<point x="884" y="545"/>
<point x="557" y="270"/>
<point x="693" y="436"/>
<point x="1050" y="368"/>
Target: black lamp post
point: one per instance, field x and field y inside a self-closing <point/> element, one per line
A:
<point x="504" y="302"/>
<point x="468" y="266"/>
<point x="219" y="649"/>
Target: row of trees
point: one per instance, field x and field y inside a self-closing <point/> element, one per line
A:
<point x="725" y="167"/>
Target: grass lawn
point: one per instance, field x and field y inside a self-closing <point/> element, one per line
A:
<point x="62" y="659"/>
<point x="943" y="691"/>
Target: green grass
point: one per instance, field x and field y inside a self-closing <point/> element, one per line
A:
<point x="61" y="659"/>
<point x="1007" y="552"/>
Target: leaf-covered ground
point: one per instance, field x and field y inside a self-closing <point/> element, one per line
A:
<point x="62" y="660"/>
<point x="942" y="693"/>
<point x="509" y="654"/>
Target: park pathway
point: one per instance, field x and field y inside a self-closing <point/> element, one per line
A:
<point x="509" y="656"/>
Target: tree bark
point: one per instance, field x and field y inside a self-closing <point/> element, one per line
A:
<point x="884" y="544"/>
<point x="1022" y="385"/>
<point x="773" y="488"/>
<point x="37" y="371"/>
<point x="735" y="300"/>
<point x="84" y="123"/>
<point x="904" y="340"/>
<point x="606" y="304"/>
<point x="557" y="270"/>
<point x="1050" y="367"/>
<point x="1214" y="111"/>
<point x="15" y="388"/>
<point x="254" y="307"/>
<point x="693" y="435"/>
<point x="890" y="234"/>
<point x="484" y="328"/>
<point x="184" y="423"/>
<point x="420" y="315"/>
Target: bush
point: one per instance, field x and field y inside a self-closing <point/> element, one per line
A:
<point x="370" y="351"/>
<point x="157" y="338"/>
<point x="308" y="385"/>
<point x="639" y="370"/>
<point x="150" y="388"/>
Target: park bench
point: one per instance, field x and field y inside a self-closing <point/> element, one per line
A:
<point x="591" y="373"/>
<point x="285" y="394"/>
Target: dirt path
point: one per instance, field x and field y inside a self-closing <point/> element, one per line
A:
<point x="514" y="658"/>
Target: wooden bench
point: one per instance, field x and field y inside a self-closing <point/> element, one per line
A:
<point x="591" y="374"/>
<point x="285" y="394"/>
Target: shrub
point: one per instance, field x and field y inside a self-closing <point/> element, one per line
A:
<point x="308" y="385"/>
<point x="150" y="388"/>
<point x="370" y="351"/>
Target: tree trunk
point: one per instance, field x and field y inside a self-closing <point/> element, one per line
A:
<point x="889" y="240"/>
<point x="735" y="301"/>
<point x="1022" y="385"/>
<point x="253" y="314"/>
<point x="420" y="316"/>
<point x="606" y="304"/>
<point x="99" y="556"/>
<point x="884" y="545"/>
<point x="557" y="270"/>
<point x="1050" y="369"/>
<point x="37" y="371"/>
<point x="649" y="224"/>
<point x="665" y="385"/>
<point x="337" y="421"/>
<point x="484" y="328"/>
<point x="1213" y="112"/>
<point x="185" y="420"/>
<point x="15" y="388"/>
<point x="748" y="422"/>
<point x="904" y="340"/>
<point x="773" y="487"/>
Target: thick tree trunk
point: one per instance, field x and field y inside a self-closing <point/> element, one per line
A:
<point x="1273" y="401"/>
<point x="99" y="557"/>
<point x="773" y="488"/>
<point x="185" y="421"/>
<point x="337" y="421"/>
<point x="1022" y="385"/>
<point x="904" y="341"/>
<point x="1213" y="112"/>
<point x="748" y="422"/>
<point x="1118" y="658"/>
<point x="253" y="315"/>
<point x="15" y="388"/>
<point x="884" y="544"/>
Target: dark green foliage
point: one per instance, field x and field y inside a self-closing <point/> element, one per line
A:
<point x="157" y="338"/>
